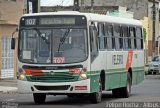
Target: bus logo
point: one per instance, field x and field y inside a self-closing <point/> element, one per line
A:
<point x="52" y="73"/>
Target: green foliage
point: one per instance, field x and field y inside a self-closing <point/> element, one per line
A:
<point x="144" y="34"/>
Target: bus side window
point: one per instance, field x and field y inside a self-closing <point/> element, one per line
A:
<point x="101" y="34"/>
<point x="93" y="42"/>
<point x="135" y="42"/>
<point x="121" y="38"/>
<point x="109" y="35"/>
<point x="139" y="38"/>
<point x="113" y="38"/>
<point x="133" y="38"/>
<point x="125" y="35"/>
<point x="129" y="38"/>
<point x="117" y="36"/>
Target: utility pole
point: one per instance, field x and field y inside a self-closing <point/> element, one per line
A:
<point x="31" y="6"/>
<point x="154" y="29"/>
<point x="92" y="2"/>
<point x="76" y="5"/>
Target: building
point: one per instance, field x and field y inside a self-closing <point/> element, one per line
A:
<point x="150" y="22"/>
<point x="138" y="7"/>
<point x="10" y="12"/>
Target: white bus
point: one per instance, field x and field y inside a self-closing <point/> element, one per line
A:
<point x="73" y="53"/>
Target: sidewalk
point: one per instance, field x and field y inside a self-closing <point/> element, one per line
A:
<point x="8" y="86"/>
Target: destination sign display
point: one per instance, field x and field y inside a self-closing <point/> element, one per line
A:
<point x="56" y="21"/>
<point x="30" y="22"/>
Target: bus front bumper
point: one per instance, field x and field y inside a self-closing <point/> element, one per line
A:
<point x="82" y="86"/>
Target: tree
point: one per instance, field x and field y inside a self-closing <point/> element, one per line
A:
<point x="144" y="34"/>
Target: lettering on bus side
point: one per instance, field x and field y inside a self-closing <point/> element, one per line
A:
<point x="117" y="59"/>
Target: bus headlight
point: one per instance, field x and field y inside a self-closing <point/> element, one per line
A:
<point x="83" y="74"/>
<point x="22" y="77"/>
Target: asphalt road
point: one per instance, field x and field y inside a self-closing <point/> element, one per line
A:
<point x="147" y="91"/>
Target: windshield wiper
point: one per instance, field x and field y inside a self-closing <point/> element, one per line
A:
<point x="40" y="35"/>
<point x="62" y="40"/>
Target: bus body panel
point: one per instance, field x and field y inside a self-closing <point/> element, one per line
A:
<point x="114" y="63"/>
<point x="30" y="87"/>
<point x="25" y="86"/>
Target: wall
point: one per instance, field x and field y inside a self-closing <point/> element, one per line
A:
<point x="139" y="7"/>
<point x="10" y="13"/>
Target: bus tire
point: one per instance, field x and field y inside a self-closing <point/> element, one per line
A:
<point x="126" y="91"/>
<point x="116" y="93"/>
<point x="39" y="98"/>
<point x="97" y="96"/>
<point x="71" y="96"/>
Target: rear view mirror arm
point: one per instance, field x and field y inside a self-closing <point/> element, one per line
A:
<point x="13" y="39"/>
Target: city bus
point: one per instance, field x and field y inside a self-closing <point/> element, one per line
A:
<point x="78" y="54"/>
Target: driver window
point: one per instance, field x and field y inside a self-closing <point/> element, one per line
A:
<point x="93" y="42"/>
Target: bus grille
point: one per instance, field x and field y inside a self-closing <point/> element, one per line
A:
<point x="47" y="88"/>
<point x="56" y="77"/>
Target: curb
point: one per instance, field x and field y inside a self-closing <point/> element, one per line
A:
<point x="10" y="92"/>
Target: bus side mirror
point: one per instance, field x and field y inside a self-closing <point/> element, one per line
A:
<point x="93" y="26"/>
<point x="13" y="43"/>
<point x="13" y="40"/>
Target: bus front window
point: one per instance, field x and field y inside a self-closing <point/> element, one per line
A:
<point x="69" y="46"/>
<point x="34" y="45"/>
<point x="53" y="45"/>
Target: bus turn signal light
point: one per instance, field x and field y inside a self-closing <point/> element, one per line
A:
<point x="74" y="71"/>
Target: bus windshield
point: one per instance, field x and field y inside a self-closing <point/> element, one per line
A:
<point x="52" y="45"/>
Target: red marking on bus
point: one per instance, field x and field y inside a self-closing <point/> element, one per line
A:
<point x="74" y="71"/>
<point x="58" y="60"/>
<point x="80" y="88"/>
<point x="33" y="72"/>
<point x="129" y="60"/>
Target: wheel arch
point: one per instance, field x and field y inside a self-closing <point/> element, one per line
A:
<point x="130" y="72"/>
<point x="103" y="78"/>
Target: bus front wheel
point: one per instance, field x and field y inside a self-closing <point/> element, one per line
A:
<point x="97" y="96"/>
<point x="39" y="98"/>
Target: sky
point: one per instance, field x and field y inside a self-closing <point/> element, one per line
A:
<point x="56" y="2"/>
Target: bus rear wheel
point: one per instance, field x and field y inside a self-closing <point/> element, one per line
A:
<point x="125" y="91"/>
<point x="116" y="93"/>
<point x="97" y="96"/>
<point x="39" y="98"/>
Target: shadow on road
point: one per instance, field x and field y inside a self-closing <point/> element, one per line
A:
<point x="147" y="90"/>
<point x="64" y="100"/>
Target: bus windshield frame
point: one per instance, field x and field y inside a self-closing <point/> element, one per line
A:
<point x="52" y="43"/>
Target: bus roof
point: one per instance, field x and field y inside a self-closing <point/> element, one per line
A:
<point x="93" y="17"/>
